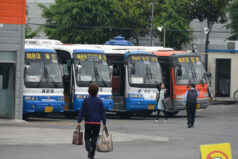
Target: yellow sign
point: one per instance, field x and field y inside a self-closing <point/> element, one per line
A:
<point x="216" y="151"/>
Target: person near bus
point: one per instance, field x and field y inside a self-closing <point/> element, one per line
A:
<point x="190" y="100"/>
<point x="93" y="111"/>
<point x="161" y="106"/>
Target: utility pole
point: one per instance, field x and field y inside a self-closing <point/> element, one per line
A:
<point x="151" y="24"/>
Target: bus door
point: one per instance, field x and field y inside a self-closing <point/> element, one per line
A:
<point x="118" y="82"/>
<point x="65" y="64"/>
<point x="166" y="68"/>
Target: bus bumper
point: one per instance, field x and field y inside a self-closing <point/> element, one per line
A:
<point x="178" y="104"/>
<point x="30" y="106"/>
<point x="108" y="104"/>
<point x="140" y="104"/>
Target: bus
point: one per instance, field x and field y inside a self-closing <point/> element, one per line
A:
<point x="135" y="78"/>
<point x="179" y="70"/>
<point x="82" y="65"/>
<point x="43" y="84"/>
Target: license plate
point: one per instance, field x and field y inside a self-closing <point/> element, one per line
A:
<point x="48" y="109"/>
<point x="198" y="106"/>
<point x="151" y="107"/>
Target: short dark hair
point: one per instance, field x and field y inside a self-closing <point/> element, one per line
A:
<point x="192" y="85"/>
<point x="93" y="89"/>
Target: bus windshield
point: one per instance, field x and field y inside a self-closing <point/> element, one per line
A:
<point x="42" y="71"/>
<point x="189" y="70"/>
<point x="91" y="68"/>
<point x="144" y="71"/>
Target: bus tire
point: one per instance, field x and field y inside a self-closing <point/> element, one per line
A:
<point x="170" y="114"/>
<point x="125" y="115"/>
<point x="25" y="116"/>
<point x="144" y="113"/>
<point x="235" y="96"/>
<point x="70" y="115"/>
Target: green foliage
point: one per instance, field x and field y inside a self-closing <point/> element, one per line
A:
<point x="211" y="11"/>
<point x="134" y="14"/>
<point x="174" y="19"/>
<point x="233" y="14"/>
<point x="74" y="21"/>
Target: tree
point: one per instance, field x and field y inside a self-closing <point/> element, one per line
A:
<point x="211" y="11"/>
<point x="133" y="17"/>
<point x="78" y="21"/>
<point x="173" y="18"/>
<point x="233" y="15"/>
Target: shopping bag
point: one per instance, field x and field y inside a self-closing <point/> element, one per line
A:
<point x="104" y="142"/>
<point x="78" y="136"/>
<point x="167" y="103"/>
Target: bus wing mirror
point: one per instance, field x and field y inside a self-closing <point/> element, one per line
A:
<point x="179" y="72"/>
<point x="110" y="69"/>
<point x="79" y="67"/>
<point x="133" y="70"/>
<point x="208" y="74"/>
<point x="27" y="67"/>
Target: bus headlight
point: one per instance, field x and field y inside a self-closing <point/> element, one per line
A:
<point x="205" y="94"/>
<point x="79" y="96"/>
<point x="61" y="98"/>
<point x="27" y="98"/>
<point x="109" y="97"/>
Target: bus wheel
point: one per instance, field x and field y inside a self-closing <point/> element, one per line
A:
<point x="70" y="115"/>
<point x="144" y="114"/>
<point x="170" y="114"/>
<point x="236" y="96"/>
<point x="26" y="116"/>
<point x="125" y="115"/>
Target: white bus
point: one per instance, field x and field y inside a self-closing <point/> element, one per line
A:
<point x="135" y="79"/>
<point x="82" y="66"/>
<point x="43" y="84"/>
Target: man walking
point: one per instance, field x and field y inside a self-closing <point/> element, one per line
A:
<point x="190" y="100"/>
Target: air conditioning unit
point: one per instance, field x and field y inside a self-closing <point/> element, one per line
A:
<point x="232" y="45"/>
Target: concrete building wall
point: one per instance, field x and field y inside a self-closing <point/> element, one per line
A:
<point x="12" y="34"/>
<point x="212" y="57"/>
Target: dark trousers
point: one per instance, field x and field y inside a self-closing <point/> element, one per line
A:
<point x="90" y="137"/>
<point x="158" y="115"/>
<point x="191" y="112"/>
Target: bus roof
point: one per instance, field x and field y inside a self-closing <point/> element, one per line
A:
<point x="172" y="52"/>
<point x="36" y="48"/>
<point x="76" y="48"/>
<point x="43" y="42"/>
<point x="87" y="51"/>
<point x="137" y="53"/>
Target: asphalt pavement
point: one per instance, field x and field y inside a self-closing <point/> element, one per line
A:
<point x="135" y="138"/>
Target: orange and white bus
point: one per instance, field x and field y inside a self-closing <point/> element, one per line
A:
<point x="180" y="69"/>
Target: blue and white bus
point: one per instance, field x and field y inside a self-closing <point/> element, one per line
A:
<point x="82" y="66"/>
<point x="135" y="78"/>
<point x="43" y="84"/>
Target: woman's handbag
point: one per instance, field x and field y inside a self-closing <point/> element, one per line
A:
<point x="167" y="103"/>
<point x="104" y="142"/>
<point x="78" y="136"/>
